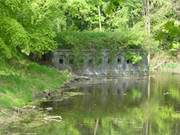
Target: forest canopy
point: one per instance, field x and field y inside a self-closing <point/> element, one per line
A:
<point x="37" y="26"/>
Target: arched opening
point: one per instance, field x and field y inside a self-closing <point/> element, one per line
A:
<point x="90" y="61"/>
<point x="118" y="60"/>
<point x="109" y="61"/>
<point x="61" y="61"/>
<point x="128" y="61"/>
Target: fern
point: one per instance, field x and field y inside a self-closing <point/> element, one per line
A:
<point x="4" y="50"/>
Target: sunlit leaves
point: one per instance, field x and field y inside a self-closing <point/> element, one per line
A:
<point x="41" y="44"/>
<point x="28" y="26"/>
<point x="13" y="34"/>
<point x="169" y="36"/>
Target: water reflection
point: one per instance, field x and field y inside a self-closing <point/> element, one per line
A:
<point x="106" y="98"/>
<point x="119" y="107"/>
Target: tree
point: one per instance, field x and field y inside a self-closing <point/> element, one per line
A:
<point x="28" y="26"/>
<point x="147" y="23"/>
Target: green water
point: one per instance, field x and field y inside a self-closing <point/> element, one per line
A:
<point x="124" y="106"/>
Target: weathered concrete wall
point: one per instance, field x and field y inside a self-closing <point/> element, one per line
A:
<point x="63" y="59"/>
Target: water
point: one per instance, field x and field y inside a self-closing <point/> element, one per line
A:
<point x="124" y="106"/>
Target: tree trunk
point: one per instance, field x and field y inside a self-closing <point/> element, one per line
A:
<point x="96" y="126"/>
<point x="99" y="13"/>
<point x="147" y="22"/>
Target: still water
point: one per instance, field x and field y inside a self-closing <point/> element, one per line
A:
<point x="123" y="106"/>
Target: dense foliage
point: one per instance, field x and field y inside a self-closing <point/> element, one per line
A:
<point x="169" y="37"/>
<point x="27" y="26"/>
<point x="30" y="26"/>
<point x="100" y="40"/>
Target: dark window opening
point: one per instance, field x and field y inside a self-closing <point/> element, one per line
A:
<point x="109" y="61"/>
<point x="61" y="61"/>
<point x="119" y="60"/>
<point x="90" y="61"/>
<point x="128" y="61"/>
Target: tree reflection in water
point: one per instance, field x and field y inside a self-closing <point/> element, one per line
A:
<point x="118" y="107"/>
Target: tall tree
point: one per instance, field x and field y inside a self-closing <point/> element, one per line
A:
<point x="146" y="9"/>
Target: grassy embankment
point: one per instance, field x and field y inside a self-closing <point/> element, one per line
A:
<point x="20" y="79"/>
<point x="171" y="68"/>
<point x="163" y="62"/>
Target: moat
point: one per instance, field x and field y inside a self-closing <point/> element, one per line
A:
<point x="123" y="106"/>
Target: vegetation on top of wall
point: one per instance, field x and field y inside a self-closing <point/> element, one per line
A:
<point x="133" y="57"/>
<point x="97" y="41"/>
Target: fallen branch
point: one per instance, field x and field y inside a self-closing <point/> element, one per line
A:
<point x="158" y="65"/>
<point x="3" y="112"/>
<point x="53" y="118"/>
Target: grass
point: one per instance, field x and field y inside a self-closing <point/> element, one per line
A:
<point x="171" y="67"/>
<point x="19" y="79"/>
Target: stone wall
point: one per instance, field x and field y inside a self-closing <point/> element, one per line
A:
<point x="119" y="66"/>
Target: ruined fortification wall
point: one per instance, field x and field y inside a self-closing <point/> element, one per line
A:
<point x="119" y="66"/>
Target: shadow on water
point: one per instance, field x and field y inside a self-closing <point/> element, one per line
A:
<point x="124" y="106"/>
